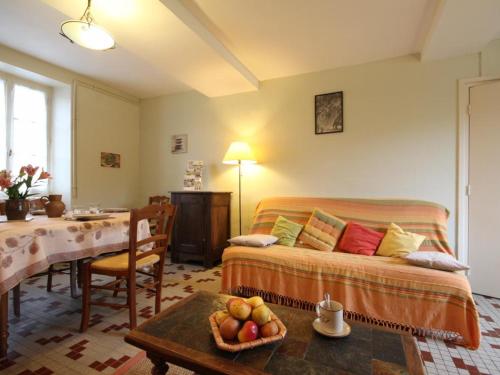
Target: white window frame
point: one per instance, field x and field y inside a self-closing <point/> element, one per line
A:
<point x="10" y="81"/>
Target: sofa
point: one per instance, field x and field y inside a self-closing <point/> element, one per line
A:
<point x="384" y="291"/>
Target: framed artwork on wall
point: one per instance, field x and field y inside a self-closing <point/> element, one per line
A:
<point x="329" y="113"/>
<point x="179" y="143"/>
<point x="110" y="160"/>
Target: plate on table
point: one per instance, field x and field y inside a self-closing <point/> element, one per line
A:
<point x="115" y="210"/>
<point x="86" y="217"/>
<point x="38" y="212"/>
<point x="3" y="219"/>
<point x="346" y="329"/>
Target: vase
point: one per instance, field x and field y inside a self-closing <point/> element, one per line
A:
<point x="54" y="206"/>
<point x="16" y="209"/>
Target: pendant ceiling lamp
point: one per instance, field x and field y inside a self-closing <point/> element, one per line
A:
<point x="86" y="33"/>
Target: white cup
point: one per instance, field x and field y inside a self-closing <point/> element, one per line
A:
<point x="331" y="316"/>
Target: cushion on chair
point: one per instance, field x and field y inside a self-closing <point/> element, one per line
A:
<point x="322" y="231"/>
<point x="120" y="262"/>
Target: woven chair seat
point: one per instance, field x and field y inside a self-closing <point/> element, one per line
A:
<point x="120" y="262"/>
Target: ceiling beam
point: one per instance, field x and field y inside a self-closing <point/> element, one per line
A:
<point x="461" y="27"/>
<point x="193" y="23"/>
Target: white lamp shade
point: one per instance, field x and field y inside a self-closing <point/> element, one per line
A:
<point x="87" y="35"/>
<point x="239" y="152"/>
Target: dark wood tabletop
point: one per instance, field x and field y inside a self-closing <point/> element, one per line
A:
<point x="181" y="335"/>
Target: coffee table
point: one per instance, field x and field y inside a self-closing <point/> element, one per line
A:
<point x="181" y="335"/>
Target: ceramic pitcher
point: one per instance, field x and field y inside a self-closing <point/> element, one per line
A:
<point x="54" y="206"/>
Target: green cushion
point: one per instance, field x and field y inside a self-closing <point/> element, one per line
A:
<point x="287" y="231"/>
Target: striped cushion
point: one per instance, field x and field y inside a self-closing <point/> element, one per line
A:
<point x="322" y="231"/>
<point x="425" y="218"/>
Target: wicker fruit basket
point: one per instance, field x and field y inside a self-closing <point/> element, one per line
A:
<point x="235" y="346"/>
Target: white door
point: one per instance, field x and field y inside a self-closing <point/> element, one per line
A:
<point x="484" y="180"/>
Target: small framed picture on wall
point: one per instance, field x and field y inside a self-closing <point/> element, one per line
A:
<point x="110" y="160"/>
<point x="179" y="143"/>
<point x="329" y="113"/>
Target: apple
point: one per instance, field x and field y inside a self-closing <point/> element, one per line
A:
<point x="229" y="328"/>
<point x="269" y="329"/>
<point x="255" y="301"/>
<point x="231" y="300"/>
<point x="239" y="309"/>
<point x="220" y="316"/>
<point x="261" y="315"/>
<point x="249" y="332"/>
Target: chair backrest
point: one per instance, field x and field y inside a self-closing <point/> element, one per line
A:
<point x="159" y="199"/>
<point x="163" y="215"/>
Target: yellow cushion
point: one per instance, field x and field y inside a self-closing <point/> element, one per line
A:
<point x="120" y="262"/>
<point x="398" y="243"/>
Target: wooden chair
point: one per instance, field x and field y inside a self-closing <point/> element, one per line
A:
<point x="156" y="199"/>
<point x="159" y="199"/>
<point x="125" y="266"/>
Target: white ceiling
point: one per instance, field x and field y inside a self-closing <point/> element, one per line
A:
<point x="221" y="47"/>
<point x="286" y="37"/>
<point x="462" y="26"/>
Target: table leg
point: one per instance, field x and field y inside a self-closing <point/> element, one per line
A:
<point x="73" y="279"/>
<point x="16" y="291"/>
<point x="160" y="367"/>
<point x="79" y="267"/>
<point x="4" y="323"/>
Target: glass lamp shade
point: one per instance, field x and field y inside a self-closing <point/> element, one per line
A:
<point x="239" y="152"/>
<point x="88" y="35"/>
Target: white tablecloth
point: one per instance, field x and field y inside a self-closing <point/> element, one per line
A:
<point x="27" y="248"/>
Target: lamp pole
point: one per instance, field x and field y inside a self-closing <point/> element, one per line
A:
<point x="239" y="191"/>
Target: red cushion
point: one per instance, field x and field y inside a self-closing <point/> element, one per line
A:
<point x="358" y="239"/>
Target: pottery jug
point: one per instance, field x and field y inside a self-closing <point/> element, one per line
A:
<point x="54" y="206"/>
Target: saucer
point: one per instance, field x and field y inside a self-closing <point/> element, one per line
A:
<point x="346" y="330"/>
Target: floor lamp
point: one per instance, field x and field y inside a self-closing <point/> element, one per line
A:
<point x="239" y="153"/>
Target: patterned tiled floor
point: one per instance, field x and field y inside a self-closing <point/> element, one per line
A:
<point x="45" y="340"/>
<point x="445" y="358"/>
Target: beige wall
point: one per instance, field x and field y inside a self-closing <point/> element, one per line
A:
<point x="490" y="60"/>
<point x="110" y="124"/>
<point x="399" y="139"/>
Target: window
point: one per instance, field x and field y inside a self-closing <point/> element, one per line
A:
<point x="23" y="125"/>
<point x="28" y="131"/>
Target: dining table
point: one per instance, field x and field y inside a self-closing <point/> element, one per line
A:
<point x="29" y="247"/>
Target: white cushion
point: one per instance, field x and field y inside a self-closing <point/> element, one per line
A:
<point x="436" y="260"/>
<point x="254" y="240"/>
